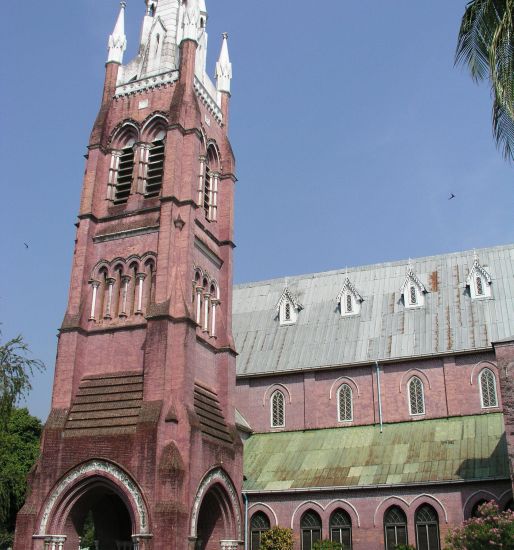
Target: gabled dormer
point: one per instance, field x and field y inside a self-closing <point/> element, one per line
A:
<point x="349" y="300"/>
<point x="413" y="290"/>
<point x="478" y="281"/>
<point x="288" y="308"/>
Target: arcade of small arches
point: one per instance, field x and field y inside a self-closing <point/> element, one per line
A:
<point x="206" y="301"/>
<point x="123" y="287"/>
<point x="415" y="391"/>
<point x="138" y="162"/>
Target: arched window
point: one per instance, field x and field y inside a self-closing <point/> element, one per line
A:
<point x="416" y="396"/>
<point x="345" y="403"/>
<point x="341" y="529"/>
<point x="258" y="524"/>
<point x="155" y="169"/>
<point x="287" y="311"/>
<point x="488" y="389"/>
<point x="474" y="510"/>
<point x="413" y="296"/>
<point x="395" y="528"/>
<point x="427" y="528"/>
<point x="480" y="286"/>
<point x="349" y="303"/>
<point x="124" y="174"/>
<point x="278" y="410"/>
<point x="311" y="529"/>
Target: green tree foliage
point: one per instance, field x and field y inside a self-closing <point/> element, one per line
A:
<point x="327" y="544"/>
<point x="491" y="529"/>
<point x="16" y="368"/>
<point x="486" y="45"/>
<point x="19" y="449"/>
<point x="277" y="538"/>
<point x="87" y="540"/>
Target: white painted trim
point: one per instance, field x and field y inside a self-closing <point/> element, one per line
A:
<point x="392" y="498"/>
<point x="341" y="380"/>
<point x="480" y="491"/>
<point x="346" y="503"/>
<point x="426" y="495"/>
<point x="264" y="506"/>
<point x="271" y="389"/>
<point x="305" y="503"/>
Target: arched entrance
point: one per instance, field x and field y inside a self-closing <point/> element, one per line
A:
<point x="216" y="517"/>
<point x="99" y="520"/>
<point x="97" y="506"/>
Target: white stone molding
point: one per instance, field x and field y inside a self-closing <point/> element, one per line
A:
<point x="413" y="290"/>
<point x="190" y="20"/>
<point x="118" y="40"/>
<point x="146" y="83"/>
<point x="479" y="281"/>
<point x="390" y="501"/>
<point x="229" y="544"/>
<point x="95" y="468"/>
<point x="432" y="501"/>
<point x="140" y="282"/>
<point x="216" y="476"/>
<point x="95" y="285"/>
<point x="224" y="67"/>
<point x="306" y="504"/>
<point x="349" y="290"/>
<point x="208" y="100"/>
<point x="261" y="507"/>
<point x="288" y="307"/>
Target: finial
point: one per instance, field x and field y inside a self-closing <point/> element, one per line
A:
<point x="224" y="67"/>
<point x="191" y="21"/>
<point x="118" y="40"/>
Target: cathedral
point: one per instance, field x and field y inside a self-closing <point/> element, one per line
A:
<point x="372" y="406"/>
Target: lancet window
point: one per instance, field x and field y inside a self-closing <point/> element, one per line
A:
<point x="258" y="524"/>
<point x="488" y="394"/>
<point x="427" y="528"/>
<point x="395" y="528"/>
<point x="124" y="168"/>
<point x="341" y="529"/>
<point x="206" y="301"/>
<point x="278" y="410"/>
<point x="416" y="396"/>
<point x="123" y="288"/>
<point x="345" y="403"/>
<point x="208" y="183"/>
<point x="310" y="525"/>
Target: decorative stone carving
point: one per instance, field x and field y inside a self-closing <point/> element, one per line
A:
<point x="217" y="475"/>
<point x="96" y="467"/>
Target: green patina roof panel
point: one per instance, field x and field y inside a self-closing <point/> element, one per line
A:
<point x="451" y="449"/>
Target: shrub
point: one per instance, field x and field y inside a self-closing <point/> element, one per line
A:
<point x="491" y="528"/>
<point x="326" y="545"/>
<point x="277" y="538"/>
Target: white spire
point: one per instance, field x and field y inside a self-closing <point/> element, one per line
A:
<point x="191" y="21"/>
<point x="224" y="67"/>
<point x="118" y="40"/>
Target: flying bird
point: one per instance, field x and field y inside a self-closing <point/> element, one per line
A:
<point x="26" y="245"/>
<point x="452" y="196"/>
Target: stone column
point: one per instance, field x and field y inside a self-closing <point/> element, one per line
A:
<point x="55" y="542"/>
<point x="229" y="544"/>
<point x="95" y="285"/>
<point x="140" y="277"/>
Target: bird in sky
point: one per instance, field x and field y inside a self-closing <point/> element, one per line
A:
<point x="26" y="245"/>
<point x="452" y="196"/>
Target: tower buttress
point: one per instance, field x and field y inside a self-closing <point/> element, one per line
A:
<point x="142" y="428"/>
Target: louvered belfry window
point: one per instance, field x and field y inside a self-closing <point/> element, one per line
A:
<point x="345" y="403"/>
<point x="124" y="176"/>
<point x="416" y="397"/>
<point x="155" y="169"/>
<point x="488" y="389"/>
<point x="207" y="191"/>
<point x="277" y="410"/>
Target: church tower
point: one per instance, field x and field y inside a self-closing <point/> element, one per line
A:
<point x="141" y="440"/>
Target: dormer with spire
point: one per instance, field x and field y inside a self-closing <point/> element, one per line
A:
<point x="118" y="40"/>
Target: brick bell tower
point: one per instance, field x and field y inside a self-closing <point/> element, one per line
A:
<point x="141" y="439"/>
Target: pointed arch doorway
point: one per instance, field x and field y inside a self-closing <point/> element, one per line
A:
<point x="216" y="516"/>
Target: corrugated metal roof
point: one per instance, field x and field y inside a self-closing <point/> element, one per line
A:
<point x="450" y="320"/>
<point x="451" y="449"/>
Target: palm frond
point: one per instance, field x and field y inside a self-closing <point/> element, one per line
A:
<point x="503" y="130"/>
<point x="476" y="32"/>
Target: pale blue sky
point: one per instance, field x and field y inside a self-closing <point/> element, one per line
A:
<point x="349" y="122"/>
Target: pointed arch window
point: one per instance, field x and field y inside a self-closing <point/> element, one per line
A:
<point x="488" y="395"/>
<point x="258" y="525"/>
<point x="125" y="170"/>
<point x="478" y="281"/>
<point x="349" y="300"/>
<point x="209" y="193"/>
<point x="416" y="396"/>
<point x="413" y="290"/>
<point x="155" y="169"/>
<point x="395" y="528"/>
<point x="288" y="308"/>
<point x="278" y="412"/>
<point x="345" y="403"/>
<point x="341" y="529"/>
<point x="427" y="528"/>
<point x="310" y="525"/>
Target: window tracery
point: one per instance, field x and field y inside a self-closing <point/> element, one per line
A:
<point x="278" y="410"/>
<point x="488" y="393"/>
<point x="416" y="396"/>
<point x="345" y="403"/>
<point x="206" y="300"/>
